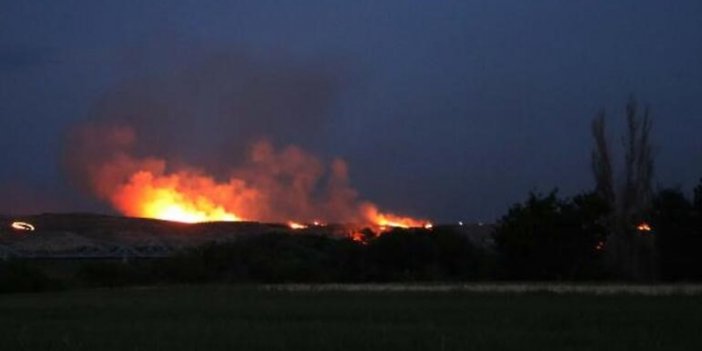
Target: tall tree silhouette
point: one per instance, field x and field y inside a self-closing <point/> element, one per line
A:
<point x="601" y="160"/>
<point x="631" y="252"/>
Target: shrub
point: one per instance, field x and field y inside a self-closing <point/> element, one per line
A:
<point x="21" y="276"/>
<point x="547" y="238"/>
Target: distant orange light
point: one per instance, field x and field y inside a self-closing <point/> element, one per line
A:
<point x="387" y="221"/>
<point x="600" y="245"/>
<point x="358" y="237"/>
<point x="22" y="226"/>
<point x="295" y="225"/>
<point x="644" y="227"/>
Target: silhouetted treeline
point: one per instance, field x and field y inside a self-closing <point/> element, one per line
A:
<point x="544" y="238"/>
<point x="549" y="238"/>
<point x="677" y="229"/>
<point x="402" y="255"/>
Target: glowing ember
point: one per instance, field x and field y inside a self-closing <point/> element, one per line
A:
<point x="644" y="227"/>
<point x="358" y="237"/>
<point x="600" y="245"/>
<point x="295" y="225"/>
<point x="24" y="226"/>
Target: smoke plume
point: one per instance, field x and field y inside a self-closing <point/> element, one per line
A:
<point x="195" y="144"/>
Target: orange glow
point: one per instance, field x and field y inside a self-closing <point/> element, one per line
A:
<point x="172" y="198"/>
<point x="295" y="225"/>
<point x="269" y="184"/>
<point x="358" y="237"/>
<point x="22" y="226"/>
<point x="644" y="227"/>
<point x="600" y="245"/>
<point x="191" y="197"/>
<point x="388" y="220"/>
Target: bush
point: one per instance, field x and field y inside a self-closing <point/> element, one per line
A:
<point x="677" y="227"/>
<point x="114" y="274"/>
<point x="270" y="258"/>
<point x="399" y="255"/>
<point x="547" y="238"/>
<point x="21" y="276"/>
<point x="420" y="254"/>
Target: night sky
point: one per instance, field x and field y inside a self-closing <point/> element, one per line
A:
<point x="444" y="109"/>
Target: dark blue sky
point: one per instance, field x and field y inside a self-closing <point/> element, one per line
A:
<point x="447" y="109"/>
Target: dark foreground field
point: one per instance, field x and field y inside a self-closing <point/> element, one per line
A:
<point x="230" y="318"/>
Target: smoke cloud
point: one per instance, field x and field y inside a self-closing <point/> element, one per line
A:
<point x="195" y="144"/>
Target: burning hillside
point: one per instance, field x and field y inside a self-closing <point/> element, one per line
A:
<point x="194" y="145"/>
<point x="271" y="185"/>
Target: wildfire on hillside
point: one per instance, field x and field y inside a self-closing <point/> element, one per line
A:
<point x="287" y="185"/>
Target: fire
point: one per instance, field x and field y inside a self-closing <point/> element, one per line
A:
<point x="644" y="227"/>
<point x="179" y="213"/>
<point x="295" y="225"/>
<point x="358" y="237"/>
<point x="24" y="226"/>
<point x="388" y="220"/>
<point x="600" y="245"/>
<point x="172" y="198"/>
<point x="268" y="184"/>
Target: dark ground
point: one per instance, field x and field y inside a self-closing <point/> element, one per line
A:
<point x="248" y="318"/>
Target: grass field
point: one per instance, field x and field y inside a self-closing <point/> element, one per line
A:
<point x="236" y="318"/>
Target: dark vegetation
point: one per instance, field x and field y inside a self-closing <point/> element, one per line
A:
<point x="544" y="238"/>
<point x="678" y="234"/>
<point x="622" y="230"/>
<point x="441" y="254"/>
<point x="548" y="238"/>
<point x="23" y="276"/>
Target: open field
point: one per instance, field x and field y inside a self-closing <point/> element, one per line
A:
<point x="502" y="288"/>
<point x="271" y="318"/>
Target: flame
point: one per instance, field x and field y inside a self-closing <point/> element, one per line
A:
<point x="389" y="220"/>
<point x="24" y="226"/>
<point x="179" y="197"/>
<point x="176" y="212"/>
<point x="358" y="237"/>
<point x="295" y="225"/>
<point x="644" y="227"/>
<point x="271" y="185"/>
<point x="600" y="245"/>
